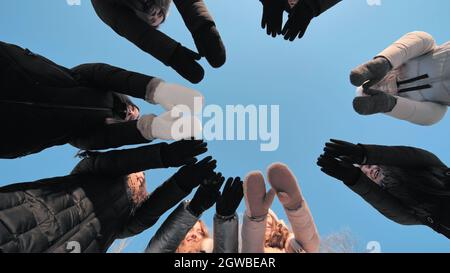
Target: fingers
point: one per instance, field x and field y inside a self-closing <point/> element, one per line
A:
<point x="254" y="184"/>
<point x="192" y="54"/>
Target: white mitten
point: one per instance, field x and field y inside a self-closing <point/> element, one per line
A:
<point x="170" y="125"/>
<point x="169" y="95"/>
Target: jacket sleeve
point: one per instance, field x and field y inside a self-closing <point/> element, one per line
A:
<point x="158" y="202"/>
<point x="304" y="228"/>
<point x="410" y="46"/>
<point x="127" y="24"/>
<point x="323" y="5"/>
<point x="385" y="203"/>
<point x="122" y="162"/>
<point x="110" y="136"/>
<point x="107" y="77"/>
<point x="226" y="234"/>
<point x="400" y="156"/>
<point x="252" y="235"/>
<point x="195" y="13"/>
<point x="173" y="231"/>
<point x="418" y="112"/>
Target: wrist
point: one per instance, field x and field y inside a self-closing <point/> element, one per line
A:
<point x="194" y="208"/>
<point x="164" y="155"/>
<point x="144" y="126"/>
<point x="152" y="87"/>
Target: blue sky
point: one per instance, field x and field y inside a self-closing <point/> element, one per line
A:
<point x="307" y="78"/>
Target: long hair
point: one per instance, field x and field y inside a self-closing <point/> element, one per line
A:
<point x="279" y="233"/>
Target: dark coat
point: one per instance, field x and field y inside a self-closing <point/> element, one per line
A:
<point x="43" y="104"/>
<point x="421" y="194"/>
<point x="91" y="206"/>
<point x="121" y="17"/>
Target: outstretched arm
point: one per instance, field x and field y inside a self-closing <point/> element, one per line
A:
<point x="126" y="23"/>
<point x="418" y="112"/>
<point x="110" y="136"/>
<point x="122" y="162"/>
<point x="410" y="46"/>
<point x="382" y="201"/>
<point x="115" y="79"/>
<point x="401" y="156"/>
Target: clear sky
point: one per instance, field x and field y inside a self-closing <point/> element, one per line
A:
<point x="307" y="78"/>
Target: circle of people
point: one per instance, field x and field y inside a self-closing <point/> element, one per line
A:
<point x="104" y="198"/>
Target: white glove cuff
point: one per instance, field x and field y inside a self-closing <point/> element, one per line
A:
<point x="144" y="125"/>
<point x="151" y="89"/>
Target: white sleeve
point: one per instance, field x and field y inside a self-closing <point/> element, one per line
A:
<point x="253" y="235"/>
<point x="417" y="112"/>
<point x="410" y="46"/>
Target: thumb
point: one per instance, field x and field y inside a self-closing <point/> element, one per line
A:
<point x="268" y="199"/>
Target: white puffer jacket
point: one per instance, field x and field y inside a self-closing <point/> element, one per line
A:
<point x="420" y="78"/>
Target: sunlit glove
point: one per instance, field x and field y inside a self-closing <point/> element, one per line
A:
<point x="376" y="102"/>
<point x="191" y="176"/>
<point x="231" y="197"/>
<point x="370" y="73"/>
<point x="339" y="169"/>
<point x="286" y="186"/>
<point x="170" y="125"/>
<point x="184" y="61"/>
<point x="169" y="95"/>
<point x="183" y="152"/>
<point x="257" y="200"/>
<point x="272" y="17"/>
<point x="209" y="44"/>
<point x="206" y="195"/>
<point x="345" y="150"/>
<point x="299" y="19"/>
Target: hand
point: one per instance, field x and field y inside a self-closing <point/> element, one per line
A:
<point x="257" y="200"/>
<point x="184" y="61"/>
<point x="169" y="95"/>
<point x="207" y="194"/>
<point x="209" y="44"/>
<point x="171" y="125"/>
<point x="190" y="176"/>
<point x="339" y="169"/>
<point x="272" y="17"/>
<point x="182" y="152"/>
<point x="299" y="19"/>
<point x="285" y="184"/>
<point x="231" y="197"/>
<point x="345" y="150"/>
<point x="376" y="102"/>
<point x="370" y="73"/>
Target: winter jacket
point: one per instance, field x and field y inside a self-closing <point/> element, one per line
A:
<point x="90" y="208"/>
<point x="420" y="78"/>
<point x="121" y="16"/>
<point x="173" y="231"/>
<point x="420" y="198"/>
<point x="320" y="5"/>
<point x="43" y="104"/>
<point x="304" y="236"/>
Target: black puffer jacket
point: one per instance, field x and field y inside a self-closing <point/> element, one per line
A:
<point x="43" y="104"/>
<point x="90" y="207"/>
<point x="416" y="191"/>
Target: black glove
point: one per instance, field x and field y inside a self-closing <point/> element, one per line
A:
<point x="206" y="195"/>
<point x="184" y="61"/>
<point x="190" y="176"/>
<point x="231" y="197"/>
<point x="210" y="45"/>
<point x="299" y="19"/>
<point x="344" y="150"/>
<point x="272" y="18"/>
<point x="376" y="102"/>
<point x="370" y="73"/>
<point x="182" y="152"/>
<point x="339" y="169"/>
